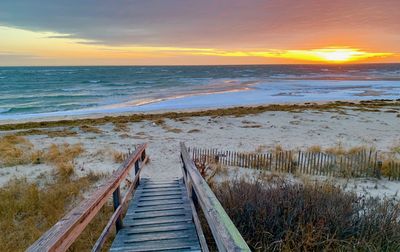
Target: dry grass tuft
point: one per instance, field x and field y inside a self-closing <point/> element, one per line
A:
<point x="251" y="126"/>
<point x="181" y="119"/>
<point x="261" y="148"/>
<point x="315" y="149"/>
<point x="278" y="148"/>
<point x="90" y="129"/>
<point x="15" y="150"/>
<point x="336" y="150"/>
<point x="121" y="127"/>
<point x="118" y="157"/>
<point x="174" y="130"/>
<point x="159" y="121"/>
<point x="356" y="150"/>
<point x="194" y="131"/>
<point x="62" y="157"/>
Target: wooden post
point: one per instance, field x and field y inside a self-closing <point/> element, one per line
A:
<point x="378" y="170"/>
<point x="116" y="203"/>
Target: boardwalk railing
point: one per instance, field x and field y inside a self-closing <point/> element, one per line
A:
<point x="225" y="234"/>
<point x="362" y="164"/>
<point x="61" y="236"/>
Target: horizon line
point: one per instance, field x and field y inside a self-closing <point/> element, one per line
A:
<point x="191" y="65"/>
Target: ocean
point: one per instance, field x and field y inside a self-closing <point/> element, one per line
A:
<point x="32" y="92"/>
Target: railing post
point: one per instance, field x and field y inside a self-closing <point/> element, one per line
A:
<point x="143" y="157"/>
<point x="116" y="203"/>
<point x="137" y="167"/>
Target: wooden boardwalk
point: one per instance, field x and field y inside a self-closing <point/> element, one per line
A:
<point x="159" y="218"/>
<point x="162" y="215"/>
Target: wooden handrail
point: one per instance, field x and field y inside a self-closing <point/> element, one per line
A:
<point x="61" y="236"/>
<point x="225" y="234"/>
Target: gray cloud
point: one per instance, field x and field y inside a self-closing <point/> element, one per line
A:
<point x="207" y="23"/>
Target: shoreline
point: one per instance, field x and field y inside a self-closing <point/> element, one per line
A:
<point x="97" y="119"/>
<point x="212" y="94"/>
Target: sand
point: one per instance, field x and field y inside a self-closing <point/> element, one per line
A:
<point x="291" y="130"/>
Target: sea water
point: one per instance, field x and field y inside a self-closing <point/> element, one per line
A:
<point x="30" y="92"/>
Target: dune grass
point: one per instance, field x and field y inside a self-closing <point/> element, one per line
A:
<point x="279" y="216"/>
<point x="18" y="150"/>
<point x="28" y="209"/>
<point x="15" y="150"/>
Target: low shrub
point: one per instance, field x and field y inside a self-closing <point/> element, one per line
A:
<point x="279" y="216"/>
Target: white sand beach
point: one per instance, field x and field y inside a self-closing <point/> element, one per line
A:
<point x="291" y="130"/>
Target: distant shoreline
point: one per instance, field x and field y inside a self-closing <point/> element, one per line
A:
<point x="97" y="119"/>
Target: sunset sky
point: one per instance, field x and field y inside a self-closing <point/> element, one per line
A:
<point x="179" y="32"/>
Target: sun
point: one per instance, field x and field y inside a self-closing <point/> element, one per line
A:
<point x="336" y="56"/>
<point x="341" y="55"/>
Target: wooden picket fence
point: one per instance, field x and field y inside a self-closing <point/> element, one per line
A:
<point x="362" y="164"/>
<point x="394" y="170"/>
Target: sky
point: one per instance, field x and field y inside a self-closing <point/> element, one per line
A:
<point x="191" y="32"/>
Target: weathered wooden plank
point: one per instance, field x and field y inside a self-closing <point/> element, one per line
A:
<point x="166" y="202"/>
<point x="165" y="213"/>
<point x="169" y="228"/>
<point x="180" y="245"/>
<point x="159" y="198"/>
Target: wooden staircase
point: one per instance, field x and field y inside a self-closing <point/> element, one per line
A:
<point x="159" y="218"/>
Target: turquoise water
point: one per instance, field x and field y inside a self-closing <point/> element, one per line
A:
<point x="29" y="92"/>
